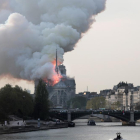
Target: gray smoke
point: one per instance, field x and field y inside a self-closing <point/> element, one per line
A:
<point x="31" y="30"/>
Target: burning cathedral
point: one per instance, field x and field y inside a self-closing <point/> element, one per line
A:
<point x="60" y="92"/>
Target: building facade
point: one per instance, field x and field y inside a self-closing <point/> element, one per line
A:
<point x="123" y="95"/>
<point x="63" y="91"/>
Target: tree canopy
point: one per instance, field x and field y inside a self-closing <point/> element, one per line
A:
<point x="41" y="107"/>
<point x="77" y="102"/>
<point x="114" y="105"/>
<point x="96" y="103"/>
<point x="15" y="101"/>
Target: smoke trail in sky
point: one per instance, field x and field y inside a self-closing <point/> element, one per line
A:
<point x="31" y="30"/>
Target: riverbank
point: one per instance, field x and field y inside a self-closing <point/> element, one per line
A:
<point x="21" y="129"/>
<point x="102" y="131"/>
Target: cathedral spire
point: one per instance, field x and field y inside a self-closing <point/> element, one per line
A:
<point x="56" y="66"/>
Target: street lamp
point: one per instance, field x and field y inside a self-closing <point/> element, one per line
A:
<point x="131" y="100"/>
<point x="126" y="94"/>
<point x="132" y="121"/>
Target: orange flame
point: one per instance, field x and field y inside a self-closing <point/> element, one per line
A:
<point x="54" y="62"/>
<point x="55" y="78"/>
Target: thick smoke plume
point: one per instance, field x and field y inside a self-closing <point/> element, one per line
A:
<point x="31" y="30"/>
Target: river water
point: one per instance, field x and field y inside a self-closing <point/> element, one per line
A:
<point x="102" y="131"/>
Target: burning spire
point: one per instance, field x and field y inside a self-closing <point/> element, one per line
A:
<point x="56" y="66"/>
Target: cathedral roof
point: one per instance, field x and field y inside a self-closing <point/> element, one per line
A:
<point x="61" y="84"/>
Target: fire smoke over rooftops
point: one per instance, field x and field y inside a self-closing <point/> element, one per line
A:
<point x="31" y="30"/>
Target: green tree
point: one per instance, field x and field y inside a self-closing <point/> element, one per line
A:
<point x="15" y="101"/>
<point x="96" y="103"/>
<point x="41" y="107"/>
<point x="76" y="105"/>
<point x="25" y="101"/>
<point x="78" y="102"/>
<point x="115" y="105"/>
